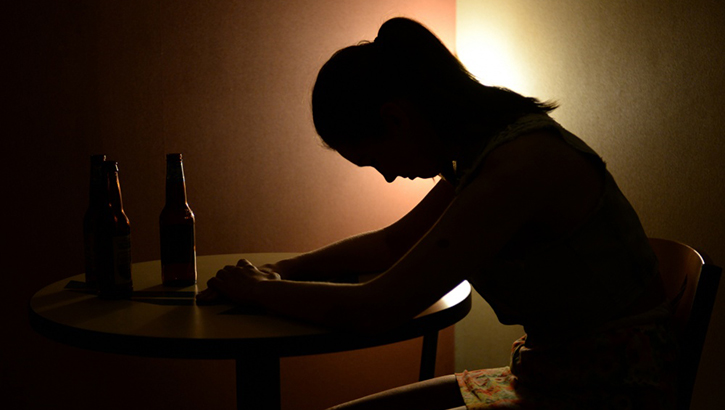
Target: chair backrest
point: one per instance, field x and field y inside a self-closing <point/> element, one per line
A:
<point x="678" y="264"/>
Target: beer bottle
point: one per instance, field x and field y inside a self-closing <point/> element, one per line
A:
<point x="176" y="225"/>
<point x="90" y="219"/>
<point x="114" y="241"/>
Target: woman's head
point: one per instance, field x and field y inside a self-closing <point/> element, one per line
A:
<point x="408" y="63"/>
<point x="405" y="61"/>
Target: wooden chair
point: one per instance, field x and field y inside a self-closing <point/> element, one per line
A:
<point x="680" y="263"/>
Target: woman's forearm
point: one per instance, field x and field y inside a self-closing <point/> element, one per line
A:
<point x="342" y="306"/>
<point x="371" y="252"/>
<point x="364" y="253"/>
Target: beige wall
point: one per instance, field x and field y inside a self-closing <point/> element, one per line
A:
<point x="226" y="83"/>
<point x="642" y="82"/>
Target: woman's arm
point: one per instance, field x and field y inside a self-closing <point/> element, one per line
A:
<point x="532" y="179"/>
<point x="370" y="252"/>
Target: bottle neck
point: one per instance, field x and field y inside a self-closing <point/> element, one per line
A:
<point x="113" y="196"/>
<point x="175" y="183"/>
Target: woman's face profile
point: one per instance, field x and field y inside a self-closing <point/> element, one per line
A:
<point x="401" y="152"/>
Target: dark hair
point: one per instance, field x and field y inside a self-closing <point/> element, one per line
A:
<point x="406" y="61"/>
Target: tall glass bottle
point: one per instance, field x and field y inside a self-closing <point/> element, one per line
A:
<point x="114" y="241"/>
<point x="176" y="224"/>
<point x="91" y="217"/>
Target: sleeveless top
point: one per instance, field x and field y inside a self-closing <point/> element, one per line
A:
<point x="579" y="281"/>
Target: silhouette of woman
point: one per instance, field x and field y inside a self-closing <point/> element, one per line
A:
<point x="524" y="210"/>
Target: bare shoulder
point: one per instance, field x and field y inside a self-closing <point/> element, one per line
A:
<point x="534" y="148"/>
<point x="564" y="184"/>
<point x="540" y="155"/>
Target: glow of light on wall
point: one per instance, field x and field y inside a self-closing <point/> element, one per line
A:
<point x="488" y="54"/>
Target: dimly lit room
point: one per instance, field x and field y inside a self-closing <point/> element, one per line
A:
<point x="228" y="84"/>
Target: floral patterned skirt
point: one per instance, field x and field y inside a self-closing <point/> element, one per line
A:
<point x="633" y="367"/>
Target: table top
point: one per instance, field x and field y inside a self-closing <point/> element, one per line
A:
<point x="165" y="322"/>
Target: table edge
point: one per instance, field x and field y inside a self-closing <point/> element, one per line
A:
<point x="235" y="348"/>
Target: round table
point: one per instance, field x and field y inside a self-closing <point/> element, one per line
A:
<point x="166" y="323"/>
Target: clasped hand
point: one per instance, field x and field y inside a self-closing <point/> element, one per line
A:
<point x="235" y="284"/>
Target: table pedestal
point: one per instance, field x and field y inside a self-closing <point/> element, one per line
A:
<point x="258" y="384"/>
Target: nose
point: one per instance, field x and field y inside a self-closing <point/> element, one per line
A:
<point x="390" y="178"/>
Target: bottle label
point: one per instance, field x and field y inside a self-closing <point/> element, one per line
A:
<point x="177" y="244"/>
<point x="122" y="259"/>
